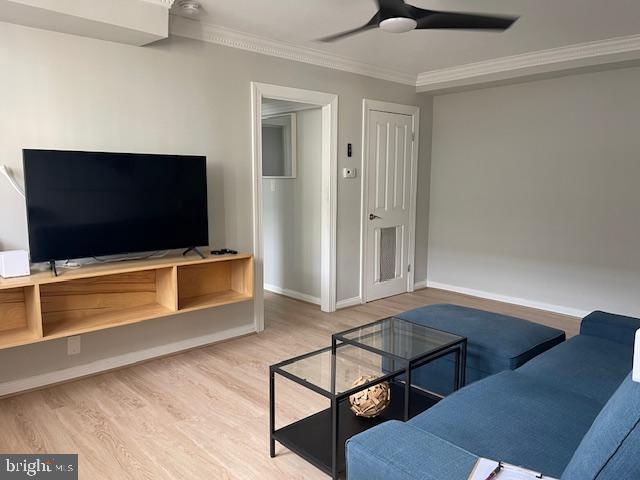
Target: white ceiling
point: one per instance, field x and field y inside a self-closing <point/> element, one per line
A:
<point x="544" y="24"/>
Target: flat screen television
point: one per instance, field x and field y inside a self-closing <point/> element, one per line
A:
<point x="86" y="204"/>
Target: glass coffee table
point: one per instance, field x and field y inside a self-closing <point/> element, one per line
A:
<point x="384" y="351"/>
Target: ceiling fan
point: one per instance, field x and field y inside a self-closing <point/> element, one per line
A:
<point x="396" y="16"/>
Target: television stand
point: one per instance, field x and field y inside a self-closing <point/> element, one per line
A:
<point x="43" y="307"/>
<point x="194" y="249"/>
<point x="52" y="266"/>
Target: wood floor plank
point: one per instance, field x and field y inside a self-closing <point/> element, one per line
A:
<point x="203" y="414"/>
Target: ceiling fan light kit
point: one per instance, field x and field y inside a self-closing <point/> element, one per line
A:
<point x="398" y="24"/>
<point x="396" y="16"/>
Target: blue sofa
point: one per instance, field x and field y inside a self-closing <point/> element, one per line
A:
<point x="572" y="413"/>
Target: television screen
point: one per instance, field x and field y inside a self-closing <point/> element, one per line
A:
<point x="85" y="204"/>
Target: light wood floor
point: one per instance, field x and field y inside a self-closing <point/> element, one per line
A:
<point x="202" y="414"/>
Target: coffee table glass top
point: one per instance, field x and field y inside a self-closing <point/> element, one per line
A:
<point x="399" y="338"/>
<point x="347" y="365"/>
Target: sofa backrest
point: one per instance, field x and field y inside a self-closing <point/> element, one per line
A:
<point x="617" y="328"/>
<point x="611" y="448"/>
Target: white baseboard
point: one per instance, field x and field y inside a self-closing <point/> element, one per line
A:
<point x="573" y="312"/>
<point x="50" y="378"/>
<point x="420" y="284"/>
<point x="292" y="293"/>
<point x="348" y="302"/>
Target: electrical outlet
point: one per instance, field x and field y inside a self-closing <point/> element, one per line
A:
<point x="349" y="172"/>
<point x="73" y="345"/>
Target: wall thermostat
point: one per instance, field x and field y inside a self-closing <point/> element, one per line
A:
<point x="349" y="172"/>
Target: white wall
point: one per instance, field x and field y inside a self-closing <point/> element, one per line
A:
<point x="177" y="96"/>
<point x="292" y="219"/>
<point x="534" y="192"/>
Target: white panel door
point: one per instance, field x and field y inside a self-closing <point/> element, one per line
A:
<point x="389" y="181"/>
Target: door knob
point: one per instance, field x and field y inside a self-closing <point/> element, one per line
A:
<point x="372" y="216"/>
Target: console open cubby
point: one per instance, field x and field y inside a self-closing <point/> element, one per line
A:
<point x="42" y="307"/>
<point x="207" y="285"/>
<point x="19" y="316"/>
<point x="87" y="304"/>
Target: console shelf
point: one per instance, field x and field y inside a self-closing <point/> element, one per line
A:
<point x="43" y="307"/>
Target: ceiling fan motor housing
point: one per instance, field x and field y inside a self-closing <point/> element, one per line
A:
<point x="398" y="24"/>
<point x="396" y="18"/>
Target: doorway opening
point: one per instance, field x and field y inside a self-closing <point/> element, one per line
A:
<point x="278" y="115"/>
<point x="291" y="198"/>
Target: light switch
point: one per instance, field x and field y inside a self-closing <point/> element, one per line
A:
<point x="349" y="172"/>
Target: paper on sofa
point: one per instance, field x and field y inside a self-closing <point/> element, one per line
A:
<point x="483" y="468"/>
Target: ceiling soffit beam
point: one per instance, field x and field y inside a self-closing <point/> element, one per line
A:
<point x="133" y="22"/>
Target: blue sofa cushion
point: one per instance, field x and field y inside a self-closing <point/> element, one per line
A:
<point x="495" y="342"/>
<point x="398" y="451"/>
<point x="611" y="448"/>
<point x="617" y="328"/>
<point x="587" y="365"/>
<point x="514" y="418"/>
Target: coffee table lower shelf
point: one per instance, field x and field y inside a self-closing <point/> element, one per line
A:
<point x="310" y="437"/>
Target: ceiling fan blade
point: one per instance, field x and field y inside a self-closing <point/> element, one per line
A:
<point x="373" y="23"/>
<point x="389" y="3"/>
<point x="348" y="33"/>
<point x="392" y="8"/>
<point x="430" y="19"/>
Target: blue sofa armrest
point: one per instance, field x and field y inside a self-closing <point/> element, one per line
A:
<point x="403" y="452"/>
<point x="617" y="328"/>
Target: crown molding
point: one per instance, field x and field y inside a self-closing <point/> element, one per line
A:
<point x="232" y="38"/>
<point x="505" y="68"/>
<point x="542" y="61"/>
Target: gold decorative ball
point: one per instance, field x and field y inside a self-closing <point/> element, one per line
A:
<point x="371" y="401"/>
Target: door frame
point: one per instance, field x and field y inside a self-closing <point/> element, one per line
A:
<point x="367" y="107"/>
<point x="329" y="104"/>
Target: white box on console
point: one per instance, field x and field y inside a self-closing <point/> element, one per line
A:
<point x="14" y="263"/>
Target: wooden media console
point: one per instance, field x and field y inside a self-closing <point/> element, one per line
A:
<point x="42" y="307"/>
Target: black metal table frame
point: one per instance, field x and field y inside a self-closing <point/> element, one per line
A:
<point x="458" y="346"/>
